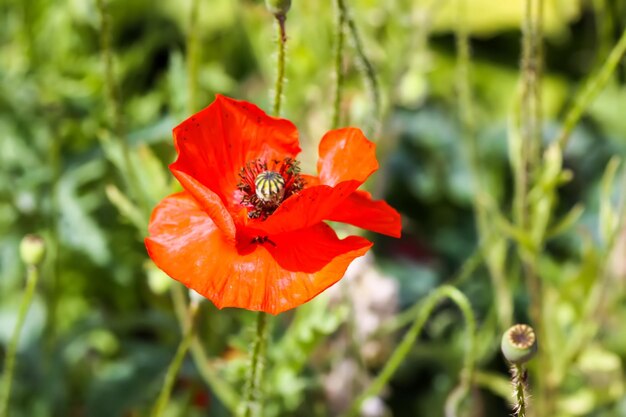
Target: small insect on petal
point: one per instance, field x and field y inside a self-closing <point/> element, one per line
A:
<point x="270" y="186"/>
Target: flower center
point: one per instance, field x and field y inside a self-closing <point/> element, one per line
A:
<point x="522" y="336"/>
<point x="266" y="185"/>
<point x="270" y="186"/>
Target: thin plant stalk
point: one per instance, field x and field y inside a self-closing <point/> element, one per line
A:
<point x="10" y="359"/>
<point x="593" y="86"/>
<point x="193" y="48"/>
<point x="407" y="316"/>
<point x="592" y="312"/>
<point x="115" y="107"/>
<point x="252" y="402"/>
<point x="226" y="394"/>
<point x="175" y="365"/>
<point x="527" y="169"/>
<point x="530" y="111"/>
<point x="365" y="65"/>
<point x="539" y="64"/>
<point x="340" y="22"/>
<point x="403" y="349"/>
<point x="54" y="272"/>
<point x="467" y="117"/>
<point x="518" y="378"/>
<point x="605" y="28"/>
<point x="280" y="64"/>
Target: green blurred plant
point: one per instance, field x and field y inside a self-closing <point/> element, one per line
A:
<point x="98" y="332"/>
<point x="32" y="250"/>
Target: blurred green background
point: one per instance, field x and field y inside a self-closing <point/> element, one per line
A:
<point x="102" y="328"/>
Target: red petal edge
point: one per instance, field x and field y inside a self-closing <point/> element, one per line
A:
<point x="360" y="210"/>
<point x="215" y="143"/>
<point x="276" y="276"/>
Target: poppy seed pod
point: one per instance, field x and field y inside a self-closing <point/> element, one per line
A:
<point x="519" y="344"/>
<point x="32" y="249"/>
<point x="278" y="7"/>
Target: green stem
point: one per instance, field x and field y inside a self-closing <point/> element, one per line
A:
<point x="531" y="79"/>
<point x="409" y="339"/>
<point x="192" y="56"/>
<point x="339" y="41"/>
<point x="519" y="385"/>
<point x="9" y="362"/>
<point x="467" y="117"/>
<point x="252" y="401"/>
<point x="115" y="110"/>
<point x="605" y="28"/>
<point x="530" y="144"/>
<point x="174" y="368"/>
<point x="592" y="87"/>
<point x="531" y="148"/>
<point x="598" y="301"/>
<point x="526" y="120"/>
<point x="226" y="394"/>
<point x="252" y="404"/>
<point x="365" y="66"/>
<point x="465" y="100"/>
<point x="280" y="64"/>
<point x="407" y="316"/>
<point x="54" y="271"/>
<point x="538" y="96"/>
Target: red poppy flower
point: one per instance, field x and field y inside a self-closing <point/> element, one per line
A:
<point x="248" y="230"/>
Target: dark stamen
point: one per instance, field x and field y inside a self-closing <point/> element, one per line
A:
<point x="266" y="185"/>
<point x="262" y="239"/>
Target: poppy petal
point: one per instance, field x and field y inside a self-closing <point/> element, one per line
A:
<point x="309" y="207"/>
<point x="346" y="154"/>
<point x="209" y="201"/>
<point x="214" y="144"/>
<point x="309" y="250"/>
<point x="273" y="277"/>
<point x="310" y="180"/>
<point x="360" y="210"/>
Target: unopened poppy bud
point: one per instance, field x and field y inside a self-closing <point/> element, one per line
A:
<point x="32" y="249"/>
<point x="519" y="344"/>
<point x="278" y="7"/>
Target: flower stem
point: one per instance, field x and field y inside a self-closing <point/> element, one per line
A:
<point x="192" y="57"/>
<point x="466" y="111"/>
<point x="280" y="64"/>
<point x="529" y="147"/>
<point x="115" y="108"/>
<point x="518" y="378"/>
<point x="222" y="390"/>
<point x="404" y="347"/>
<point x="174" y="368"/>
<point x="252" y="404"/>
<point x="340" y="22"/>
<point x="9" y="362"/>
<point x="530" y="151"/>
<point x="592" y="87"/>
<point x="365" y="65"/>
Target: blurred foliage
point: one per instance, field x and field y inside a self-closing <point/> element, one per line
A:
<point x="102" y="328"/>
